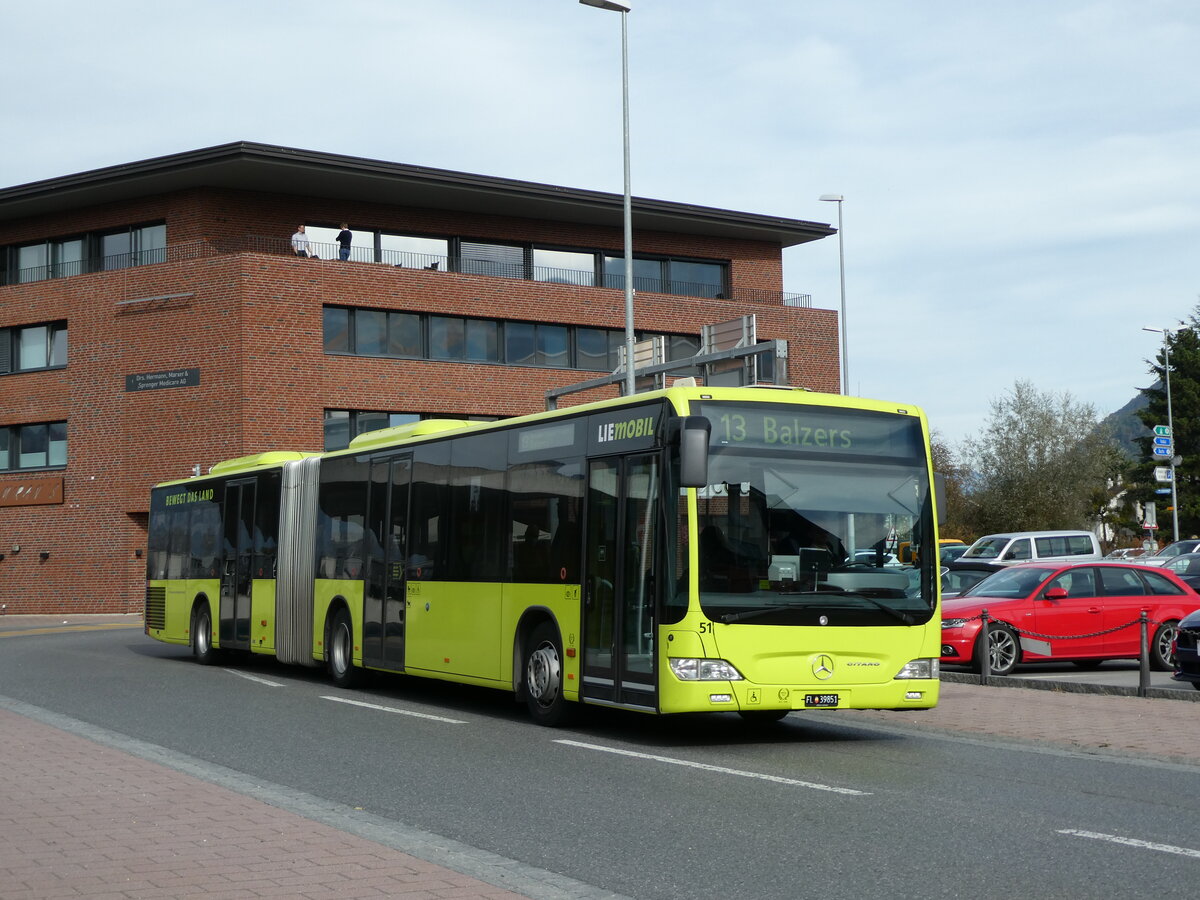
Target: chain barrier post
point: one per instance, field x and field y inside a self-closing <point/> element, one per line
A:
<point x="985" y="649"/>
<point x="1143" y="657"/>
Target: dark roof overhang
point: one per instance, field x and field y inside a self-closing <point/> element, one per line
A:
<point x="261" y="167"/>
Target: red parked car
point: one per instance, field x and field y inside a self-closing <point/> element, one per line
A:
<point x="1085" y="612"/>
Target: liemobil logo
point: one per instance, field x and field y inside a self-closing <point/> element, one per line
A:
<point x="822" y="667"/>
<point x="621" y="431"/>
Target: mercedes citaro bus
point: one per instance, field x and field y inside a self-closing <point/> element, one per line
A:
<point x="687" y="549"/>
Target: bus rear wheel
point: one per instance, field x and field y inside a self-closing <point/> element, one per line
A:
<point x="341" y="651"/>
<point x="544" y="676"/>
<point x="202" y="636"/>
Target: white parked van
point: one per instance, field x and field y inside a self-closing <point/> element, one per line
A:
<point x="1035" y="546"/>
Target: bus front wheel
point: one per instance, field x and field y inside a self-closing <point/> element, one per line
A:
<point x="341" y="651"/>
<point x="202" y="636"/>
<point x="544" y="676"/>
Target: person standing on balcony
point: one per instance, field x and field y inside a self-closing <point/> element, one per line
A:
<point x="300" y="242"/>
<point x="345" y="236"/>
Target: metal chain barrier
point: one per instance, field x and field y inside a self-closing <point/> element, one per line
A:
<point x="1143" y="621"/>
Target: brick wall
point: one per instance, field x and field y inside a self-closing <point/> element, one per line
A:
<point x="251" y="323"/>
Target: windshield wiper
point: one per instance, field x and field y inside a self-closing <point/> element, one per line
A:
<point x="746" y="615"/>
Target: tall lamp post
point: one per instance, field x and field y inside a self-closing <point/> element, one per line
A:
<point x="1166" y="333"/>
<point x="623" y="9"/>
<point x="838" y="199"/>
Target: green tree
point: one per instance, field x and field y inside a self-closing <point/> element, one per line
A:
<point x="1183" y="347"/>
<point x="956" y="523"/>
<point x="1038" y="463"/>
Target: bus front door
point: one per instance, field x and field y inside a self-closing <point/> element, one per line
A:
<point x="237" y="565"/>
<point x="384" y="582"/>
<point x="619" y="585"/>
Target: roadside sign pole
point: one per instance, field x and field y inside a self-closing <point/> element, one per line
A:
<point x="1171" y="428"/>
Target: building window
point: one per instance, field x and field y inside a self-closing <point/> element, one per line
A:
<point x="371" y="332"/>
<point x="39" y="446"/>
<point x="483" y="341"/>
<point x="60" y="258"/>
<point x="446" y="337"/>
<point x="695" y="279"/>
<point x="596" y="348"/>
<point x="137" y="246"/>
<point x="411" y="252"/>
<point x="31" y="347"/>
<point x="503" y="260"/>
<point x="687" y="278"/>
<point x="564" y="267"/>
<point x="343" y="425"/>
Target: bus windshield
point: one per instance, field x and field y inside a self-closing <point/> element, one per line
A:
<point x="789" y="533"/>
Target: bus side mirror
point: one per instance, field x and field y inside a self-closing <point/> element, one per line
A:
<point x="939" y="495"/>
<point x="693" y="451"/>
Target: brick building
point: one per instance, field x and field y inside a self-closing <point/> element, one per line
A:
<point x="154" y="318"/>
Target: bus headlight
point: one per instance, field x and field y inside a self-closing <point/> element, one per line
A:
<point x="687" y="669"/>
<point x="921" y="668"/>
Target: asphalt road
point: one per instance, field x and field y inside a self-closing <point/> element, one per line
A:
<point x="700" y="806"/>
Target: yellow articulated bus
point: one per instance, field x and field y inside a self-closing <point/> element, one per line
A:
<point x="684" y="550"/>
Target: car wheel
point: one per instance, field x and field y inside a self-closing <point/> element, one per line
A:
<point x="544" y="677"/>
<point x="341" y="651"/>
<point x="202" y="636"/>
<point x="1003" y="650"/>
<point x="1161" y="657"/>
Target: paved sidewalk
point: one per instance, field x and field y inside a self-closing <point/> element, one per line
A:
<point x="1129" y="726"/>
<point x="79" y="819"/>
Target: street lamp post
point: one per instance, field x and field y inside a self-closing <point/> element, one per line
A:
<point x="838" y="199"/>
<point x="1166" y="333"/>
<point x="623" y="9"/>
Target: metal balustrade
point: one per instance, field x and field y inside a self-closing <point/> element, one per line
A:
<point x="466" y="265"/>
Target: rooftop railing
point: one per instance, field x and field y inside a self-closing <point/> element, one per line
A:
<point x="463" y="264"/>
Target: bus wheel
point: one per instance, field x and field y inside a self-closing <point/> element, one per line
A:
<point x="1002" y="647"/>
<point x="544" y="676"/>
<point x="341" y="651"/>
<point x="1161" y="657"/>
<point x="202" y="643"/>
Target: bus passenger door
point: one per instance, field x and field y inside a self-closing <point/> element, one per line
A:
<point x="237" y="565"/>
<point x="384" y="564"/>
<point x="619" y="582"/>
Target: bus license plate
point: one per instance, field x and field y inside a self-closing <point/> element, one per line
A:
<point x="820" y="700"/>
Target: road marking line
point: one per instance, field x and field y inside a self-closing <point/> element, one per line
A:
<point x="392" y="709"/>
<point x="1132" y="842"/>
<point x="254" y="678"/>
<point x="719" y="769"/>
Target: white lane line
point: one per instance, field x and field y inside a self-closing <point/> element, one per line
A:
<point x="1132" y="842"/>
<point x="392" y="709"/>
<point x="254" y="678"/>
<point x="719" y="769"/>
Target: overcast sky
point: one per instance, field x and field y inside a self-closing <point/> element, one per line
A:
<point x="1020" y="176"/>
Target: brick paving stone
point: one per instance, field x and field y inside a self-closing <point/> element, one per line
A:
<point x="79" y="819"/>
<point x="1134" y="726"/>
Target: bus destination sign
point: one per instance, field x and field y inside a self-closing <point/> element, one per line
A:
<point x="814" y="429"/>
